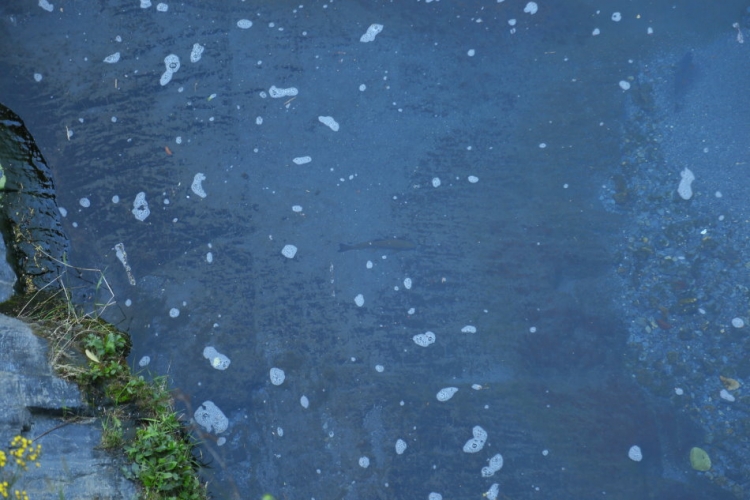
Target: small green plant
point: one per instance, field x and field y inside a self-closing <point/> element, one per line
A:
<point x="163" y="460"/>
<point x="21" y="453"/>
<point x="112" y="433"/>
<point x="91" y="352"/>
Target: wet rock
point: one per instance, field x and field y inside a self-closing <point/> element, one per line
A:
<point x="43" y="407"/>
<point x="30" y="220"/>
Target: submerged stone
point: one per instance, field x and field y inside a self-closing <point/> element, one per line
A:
<point x="699" y="459"/>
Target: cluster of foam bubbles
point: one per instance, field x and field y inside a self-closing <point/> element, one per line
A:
<point x="197" y="186"/>
<point x="424" y="339"/>
<point x="172" y="64"/>
<point x="140" y="207"/>
<point x="329" y="122"/>
<point x="217" y="359"/>
<point x="494" y="465"/>
<point x="400" y="446"/>
<point x="476" y="443"/>
<point x="446" y="393"/>
<point x="371" y="33"/>
<point x="277" y="376"/>
<point x="289" y="251"/>
<point x="210" y="417"/>
<point x="276" y="93"/>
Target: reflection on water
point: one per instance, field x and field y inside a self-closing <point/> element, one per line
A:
<point x="472" y="147"/>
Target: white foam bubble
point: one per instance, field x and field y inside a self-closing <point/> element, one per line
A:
<point x="144" y="361"/>
<point x="289" y="251"/>
<point x="476" y="443"/>
<point x="371" y="33"/>
<point x="277" y="376"/>
<point x="738" y="322"/>
<point x="434" y="496"/>
<point x="140" y="207"/>
<point x="145" y="4"/>
<point x="112" y="58"/>
<point x="329" y="122"/>
<point x="436" y="182"/>
<point x="304" y="402"/>
<point x="446" y="393"/>
<point x="494" y="465"/>
<point x="616" y="17"/>
<point x="531" y="8"/>
<point x="469" y="329"/>
<point x="624" y="85"/>
<point x="407" y="283"/>
<point x="473" y="179"/>
<point x="162" y="7"/>
<point x="38" y="77"/>
<point x="84" y="202"/>
<point x="210" y="417"/>
<point x="359" y="300"/>
<point x="424" y="339"/>
<point x="364" y="462"/>
<point x="174" y="312"/>
<point x="278" y="93"/>
<point x="400" y="446"/>
<point x="493" y="492"/>
<point x="44" y="4"/>
<point x="244" y="23"/>
<point x="297" y="208"/>
<point x="217" y="359"/>
<point x="172" y="63"/>
<point x="196" y="186"/>
<point x="196" y="53"/>
<point x="301" y="160"/>
<point x="684" y="189"/>
<point x="635" y="454"/>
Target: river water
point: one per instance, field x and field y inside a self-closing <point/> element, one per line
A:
<point x="528" y="160"/>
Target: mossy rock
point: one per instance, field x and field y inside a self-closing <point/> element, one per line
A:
<point x="699" y="459"/>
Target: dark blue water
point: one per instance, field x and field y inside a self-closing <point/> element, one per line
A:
<point x="555" y="231"/>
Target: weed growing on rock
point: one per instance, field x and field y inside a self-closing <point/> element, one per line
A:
<point x="136" y="414"/>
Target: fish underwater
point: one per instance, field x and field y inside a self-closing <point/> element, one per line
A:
<point x="394" y="244"/>
<point x="685" y="74"/>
